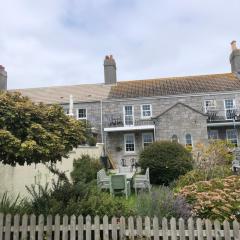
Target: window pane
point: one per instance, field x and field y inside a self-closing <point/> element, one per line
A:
<point x="129" y="143"/>
<point x="232" y="136"/>
<point x="128" y="110"/>
<point x="174" y="138"/>
<point x="147" y="139"/>
<point x="213" y="134"/>
<point x="229" y="104"/>
<point x="82" y="113"/>
<point x="188" y="139"/>
<point x="128" y="115"/>
<point x="146" y="110"/>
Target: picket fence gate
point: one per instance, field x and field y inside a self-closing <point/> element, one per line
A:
<point x="95" y="228"/>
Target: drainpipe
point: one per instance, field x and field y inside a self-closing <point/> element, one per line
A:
<point x="101" y="121"/>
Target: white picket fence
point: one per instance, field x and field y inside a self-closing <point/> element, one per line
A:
<point x="87" y="228"/>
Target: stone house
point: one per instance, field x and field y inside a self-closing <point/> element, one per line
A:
<point x="129" y="115"/>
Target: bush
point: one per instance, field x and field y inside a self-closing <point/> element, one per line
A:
<point x="197" y="175"/>
<point x="162" y="203"/>
<point x="166" y="161"/>
<point x="85" y="169"/>
<point x="215" y="199"/>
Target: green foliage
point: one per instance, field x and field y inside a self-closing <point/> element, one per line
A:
<point x="161" y="202"/>
<point x="9" y="204"/>
<point x="197" y="175"/>
<point x="35" y="133"/>
<point x="215" y="199"/>
<point x="166" y="161"/>
<point x="85" y="169"/>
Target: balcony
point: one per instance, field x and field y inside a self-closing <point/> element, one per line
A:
<point x="224" y="117"/>
<point x="116" y="124"/>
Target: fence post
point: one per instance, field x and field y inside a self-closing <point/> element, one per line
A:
<point x="199" y="229"/>
<point x="1" y="226"/>
<point x="191" y="229"/>
<point x="131" y="228"/>
<point x="139" y="227"/>
<point x="24" y="226"/>
<point x="8" y="227"/>
<point x="147" y="228"/>
<point x="165" y="228"/>
<point x="88" y="227"/>
<point x="16" y="227"/>
<point x="217" y="230"/>
<point x="173" y="229"/>
<point x="49" y="227"/>
<point x="122" y="228"/>
<point x="208" y="229"/>
<point x="80" y="227"/>
<point x="73" y="227"/>
<point x="105" y="228"/>
<point x="181" y="229"/>
<point x="155" y="228"/>
<point x="236" y="234"/>
<point x="65" y="228"/>
<point x="114" y="228"/>
<point x="41" y="227"/>
<point x="96" y="228"/>
<point x="226" y="228"/>
<point x="32" y="226"/>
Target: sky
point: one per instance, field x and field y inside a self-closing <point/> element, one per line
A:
<point x="64" y="42"/>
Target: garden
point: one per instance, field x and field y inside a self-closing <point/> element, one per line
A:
<point x="185" y="183"/>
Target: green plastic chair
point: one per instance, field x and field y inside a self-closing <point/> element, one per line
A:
<point x="119" y="184"/>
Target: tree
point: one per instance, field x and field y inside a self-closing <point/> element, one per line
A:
<point x="35" y="133"/>
<point x="166" y="161"/>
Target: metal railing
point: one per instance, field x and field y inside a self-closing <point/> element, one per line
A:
<point x="215" y="115"/>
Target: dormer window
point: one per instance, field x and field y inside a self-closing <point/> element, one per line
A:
<point x="146" y="111"/>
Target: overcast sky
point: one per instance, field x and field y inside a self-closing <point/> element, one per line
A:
<point x="63" y="42"/>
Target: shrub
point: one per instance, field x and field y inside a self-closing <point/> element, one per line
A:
<point x="162" y="203"/>
<point x="197" y="175"/>
<point x="166" y="161"/>
<point x="215" y="199"/>
<point x="85" y="169"/>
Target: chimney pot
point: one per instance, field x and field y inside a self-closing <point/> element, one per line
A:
<point x="3" y="78"/>
<point x="110" y="75"/>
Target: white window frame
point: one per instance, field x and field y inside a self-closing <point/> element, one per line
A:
<point x="186" y="139"/>
<point x="213" y="130"/>
<point x="213" y="107"/>
<point x="231" y="129"/>
<point x="83" y="118"/>
<point x="225" y="109"/>
<point x="124" y="114"/>
<point x="146" y="117"/>
<point x="125" y="138"/>
<point x="144" y="134"/>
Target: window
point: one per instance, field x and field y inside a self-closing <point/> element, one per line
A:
<point x="188" y="139"/>
<point x="232" y="136"/>
<point x="82" y="113"/>
<point x="230" y="108"/>
<point x="213" y="134"/>
<point x="128" y="115"/>
<point x="147" y="139"/>
<point x="146" y="111"/>
<point x="66" y="111"/>
<point x="129" y="140"/>
<point x="209" y="104"/>
<point x="174" y="138"/>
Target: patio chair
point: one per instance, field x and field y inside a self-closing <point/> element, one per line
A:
<point x="103" y="181"/>
<point x="142" y="181"/>
<point x="119" y="184"/>
<point x="235" y="166"/>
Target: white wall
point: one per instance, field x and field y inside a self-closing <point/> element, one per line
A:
<point x="14" y="179"/>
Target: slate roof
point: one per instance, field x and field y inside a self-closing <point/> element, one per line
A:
<point x="80" y="93"/>
<point x="175" y="86"/>
<point x="135" y="89"/>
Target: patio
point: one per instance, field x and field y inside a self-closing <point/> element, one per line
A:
<point x="123" y="179"/>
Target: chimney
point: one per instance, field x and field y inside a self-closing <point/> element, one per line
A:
<point x="235" y="58"/>
<point x="110" y="75"/>
<point x="3" y="79"/>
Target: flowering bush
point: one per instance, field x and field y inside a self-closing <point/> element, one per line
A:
<point x="215" y="199"/>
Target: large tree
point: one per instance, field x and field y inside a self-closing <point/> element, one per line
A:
<point x="35" y="133"/>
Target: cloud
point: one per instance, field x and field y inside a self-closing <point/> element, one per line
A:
<point x="61" y="42"/>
